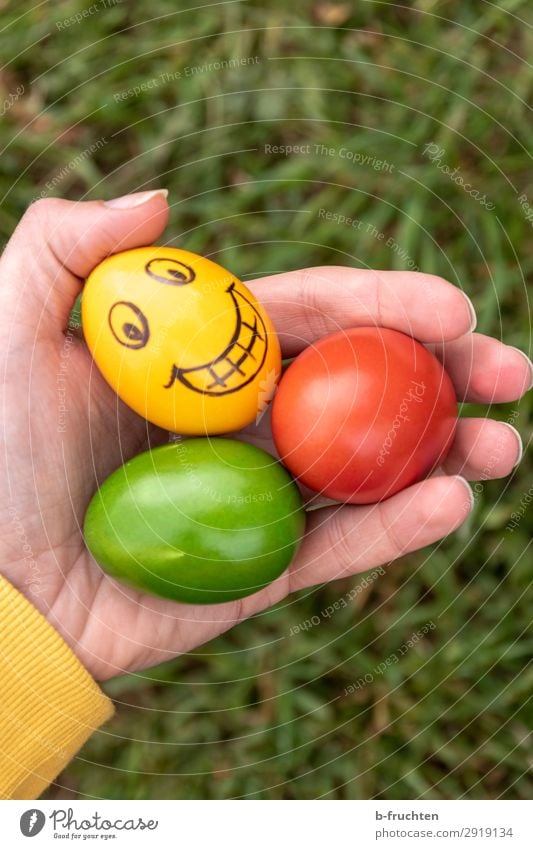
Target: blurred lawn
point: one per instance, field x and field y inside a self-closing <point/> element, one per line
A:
<point x="260" y="713"/>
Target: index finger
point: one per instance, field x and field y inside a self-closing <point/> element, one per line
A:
<point x="312" y="302"/>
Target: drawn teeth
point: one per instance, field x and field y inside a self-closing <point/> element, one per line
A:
<point x="239" y="363"/>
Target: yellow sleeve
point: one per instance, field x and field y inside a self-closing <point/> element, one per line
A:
<point x="49" y="703"/>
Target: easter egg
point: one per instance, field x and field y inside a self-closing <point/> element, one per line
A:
<point x="181" y="340"/>
<point x="364" y="413"/>
<point x="199" y="521"/>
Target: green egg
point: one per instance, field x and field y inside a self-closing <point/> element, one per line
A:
<point x="199" y="521"/>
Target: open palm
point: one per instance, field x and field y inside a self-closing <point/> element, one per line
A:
<point x="64" y="430"/>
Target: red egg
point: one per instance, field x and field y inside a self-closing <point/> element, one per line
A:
<point x="364" y="413"/>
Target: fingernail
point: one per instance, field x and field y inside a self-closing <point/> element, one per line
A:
<point x="520" y="445"/>
<point x="129" y="201"/>
<point x="529" y="364"/>
<point x="468" y="489"/>
<point x="473" y="323"/>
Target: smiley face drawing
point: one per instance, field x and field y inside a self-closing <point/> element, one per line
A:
<point x="181" y="340"/>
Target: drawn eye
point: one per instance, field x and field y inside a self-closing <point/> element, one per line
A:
<point x="167" y="270"/>
<point x="128" y="325"/>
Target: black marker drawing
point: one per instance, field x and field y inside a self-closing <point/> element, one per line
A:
<point x="128" y="325"/>
<point x="239" y="362"/>
<point x="170" y="271"/>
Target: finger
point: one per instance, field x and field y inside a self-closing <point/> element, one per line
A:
<point x="484" y="370"/>
<point x="310" y="303"/>
<point x="57" y="242"/>
<point x="345" y="540"/>
<point x="483" y="449"/>
<point x="340" y="541"/>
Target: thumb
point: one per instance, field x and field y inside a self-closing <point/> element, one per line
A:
<point x="57" y="242"/>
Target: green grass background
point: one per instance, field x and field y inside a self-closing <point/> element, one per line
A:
<point x="259" y="713"/>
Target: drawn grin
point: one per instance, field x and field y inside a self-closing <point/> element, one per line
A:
<point x="238" y="363"/>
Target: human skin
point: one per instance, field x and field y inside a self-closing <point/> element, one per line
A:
<point x="50" y="465"/>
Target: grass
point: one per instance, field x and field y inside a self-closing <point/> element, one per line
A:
<point x="259" y="713"/>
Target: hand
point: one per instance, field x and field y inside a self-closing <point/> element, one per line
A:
<point x="63" y="428"/>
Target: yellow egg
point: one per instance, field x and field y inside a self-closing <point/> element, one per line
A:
<point x="181" y="340"/>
